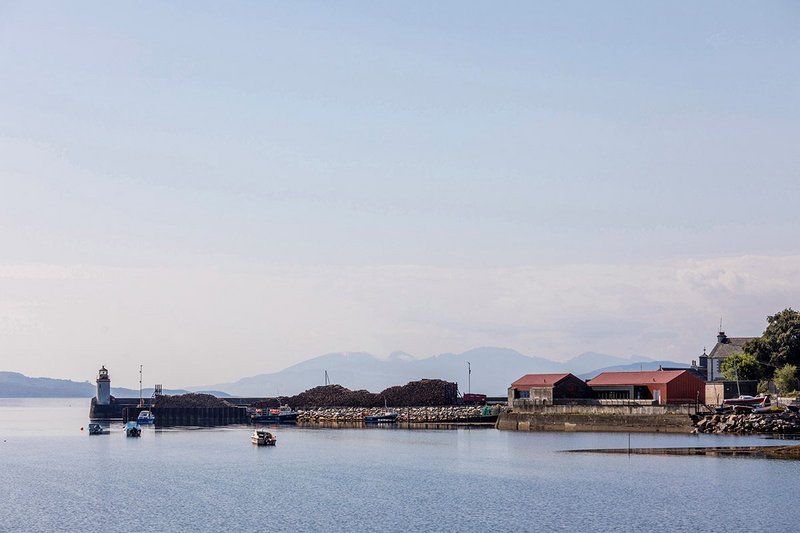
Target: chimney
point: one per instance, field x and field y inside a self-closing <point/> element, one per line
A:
<point x="721" y="338"/>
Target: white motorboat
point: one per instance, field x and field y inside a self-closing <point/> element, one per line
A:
<point x="146" y="417"/>
<point x="97" y="429"/>
<point x="132" y="429"/>
<point x="262" y="437"/>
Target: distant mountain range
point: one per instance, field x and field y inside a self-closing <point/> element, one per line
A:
<point x="16" y="385"/>
<point x="492" y="371"/>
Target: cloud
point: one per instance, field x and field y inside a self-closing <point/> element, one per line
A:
<point x="195" y="325"/>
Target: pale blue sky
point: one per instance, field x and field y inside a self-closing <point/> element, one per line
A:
<point x="232" y="161"/>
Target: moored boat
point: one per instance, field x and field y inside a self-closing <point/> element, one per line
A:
<point x="146" y="417"/>
<point x="262" y="437"/>
<point x="96" y="429"/>
<point x="747" y="400"/>
<point x="769" y="410"/>
<point x="383" y="418"/>
<point x="132" y="429"/>
<point x="283" y="415"/>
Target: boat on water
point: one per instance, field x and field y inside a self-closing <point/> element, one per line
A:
<point x="769" y="410"/>
<point x="282" y="415"/>
<point x="132" y="429"/>
<point x="383" y="418"/>
<point x="748" y="400"/>
<point x="97" y="429"/>
<point x="146" y="417"/>
<point x="262" y="437"/>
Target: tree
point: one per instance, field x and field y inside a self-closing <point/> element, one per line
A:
<point x="741" y="366"/>
<point x="779" y="345"/>
<point x="786" y="379"/>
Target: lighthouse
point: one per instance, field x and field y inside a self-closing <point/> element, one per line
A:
<point x="103" y="396"/>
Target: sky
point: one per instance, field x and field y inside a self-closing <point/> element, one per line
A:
<point x="218" y="190"/>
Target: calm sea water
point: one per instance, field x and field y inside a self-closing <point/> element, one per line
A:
<point x="53" y="477"/>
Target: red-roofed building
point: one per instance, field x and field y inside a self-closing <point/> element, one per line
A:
<point x="660" y="386"/>
<point x="546" y="388"/>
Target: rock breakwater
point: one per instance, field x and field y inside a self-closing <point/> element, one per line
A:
<point x="414" y="415"/>
<point x="786" y="422"/>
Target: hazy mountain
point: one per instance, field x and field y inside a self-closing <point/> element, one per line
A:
<point x="122" y="392"/>
<point x="633" y="367"/>
<point x="588" y="361"/>
<point x="493" y="370"/>
<point x="16" y="385"/>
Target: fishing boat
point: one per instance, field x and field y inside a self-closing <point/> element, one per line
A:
<point x="282" y="415"/>
<point x="97" y="429"/>
<point x="146" y="417"/>
<point x="262" y="437"/>
<point x="132" y="429"/>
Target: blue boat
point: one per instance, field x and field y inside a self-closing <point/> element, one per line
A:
<point x="384" y="418"/>
<point x="146" y="417"/>
<point x="97" y="429"/>
<point x="284" y="415"/>
<point x="132" y="429"/>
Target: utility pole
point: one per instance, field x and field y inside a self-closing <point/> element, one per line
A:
<point x="469" y="378"/>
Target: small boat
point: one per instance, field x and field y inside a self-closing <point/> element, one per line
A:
<point x="283" y="415"/>
<point x="747" y="400"/>
<point x="97" y="429"/>
<point x="384" y="418"/>
<point x="146" y="417"/>
<point x="769" y="410"/>
<point x="132" y="429"/>
<point x="262" y="437"/>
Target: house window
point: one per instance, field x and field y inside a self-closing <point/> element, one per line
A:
<point x="523" y="394"/>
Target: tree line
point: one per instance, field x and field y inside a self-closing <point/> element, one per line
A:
<point x="775" y="355"/>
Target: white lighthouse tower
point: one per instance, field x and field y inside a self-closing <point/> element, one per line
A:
<point x="103" y="396"/>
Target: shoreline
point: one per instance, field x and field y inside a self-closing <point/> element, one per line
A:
<point x="764" y="452"/>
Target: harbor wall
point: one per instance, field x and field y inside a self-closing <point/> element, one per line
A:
<point x="198" y="416"/>
<point x="128" y="409"/>
<point x="650" y="418"/>
<point x="116" y="409"/>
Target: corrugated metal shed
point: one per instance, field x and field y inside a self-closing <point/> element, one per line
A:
<point x="667" y="386"/>
<point x="636" y="378"/>
<point x="539" y="380"/>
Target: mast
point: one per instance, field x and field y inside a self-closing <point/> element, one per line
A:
<point x="469" y="378"/>
<point x="141" y="400"/>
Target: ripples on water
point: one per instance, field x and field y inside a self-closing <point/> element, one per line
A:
<point x="56" y="478"/>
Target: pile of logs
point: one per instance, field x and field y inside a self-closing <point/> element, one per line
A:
<point x="426" y="392"/>
<point x="190" y="400"/>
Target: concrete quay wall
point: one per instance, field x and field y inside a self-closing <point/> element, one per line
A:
<point x="607" y="407"/>
<point x="595" y="420"/>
